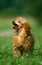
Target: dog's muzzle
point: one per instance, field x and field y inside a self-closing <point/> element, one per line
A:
<point x="15" y="25"/>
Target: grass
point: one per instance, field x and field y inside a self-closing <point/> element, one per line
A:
<point x="6" y="55"/>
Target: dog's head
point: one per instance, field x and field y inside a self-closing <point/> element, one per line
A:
<point x="21" y="22"/>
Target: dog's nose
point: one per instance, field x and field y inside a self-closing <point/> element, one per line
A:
<point x="13" y="22"/>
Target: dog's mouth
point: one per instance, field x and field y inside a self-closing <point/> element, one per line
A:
<point x="15" y="26"/>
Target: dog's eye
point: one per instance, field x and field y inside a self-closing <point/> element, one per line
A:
<point x="21" y="27"/>
<point x="19" y="21"/>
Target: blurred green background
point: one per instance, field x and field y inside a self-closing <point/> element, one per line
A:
<point x="21" y="7"/>
<point x="10" y="9"/>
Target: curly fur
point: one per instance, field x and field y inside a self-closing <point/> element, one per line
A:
<point x="23" y="40"/>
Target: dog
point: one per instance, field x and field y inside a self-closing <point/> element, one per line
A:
<point x="23" y="39"/>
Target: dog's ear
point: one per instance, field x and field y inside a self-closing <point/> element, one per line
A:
<point x="27" y="26"/>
